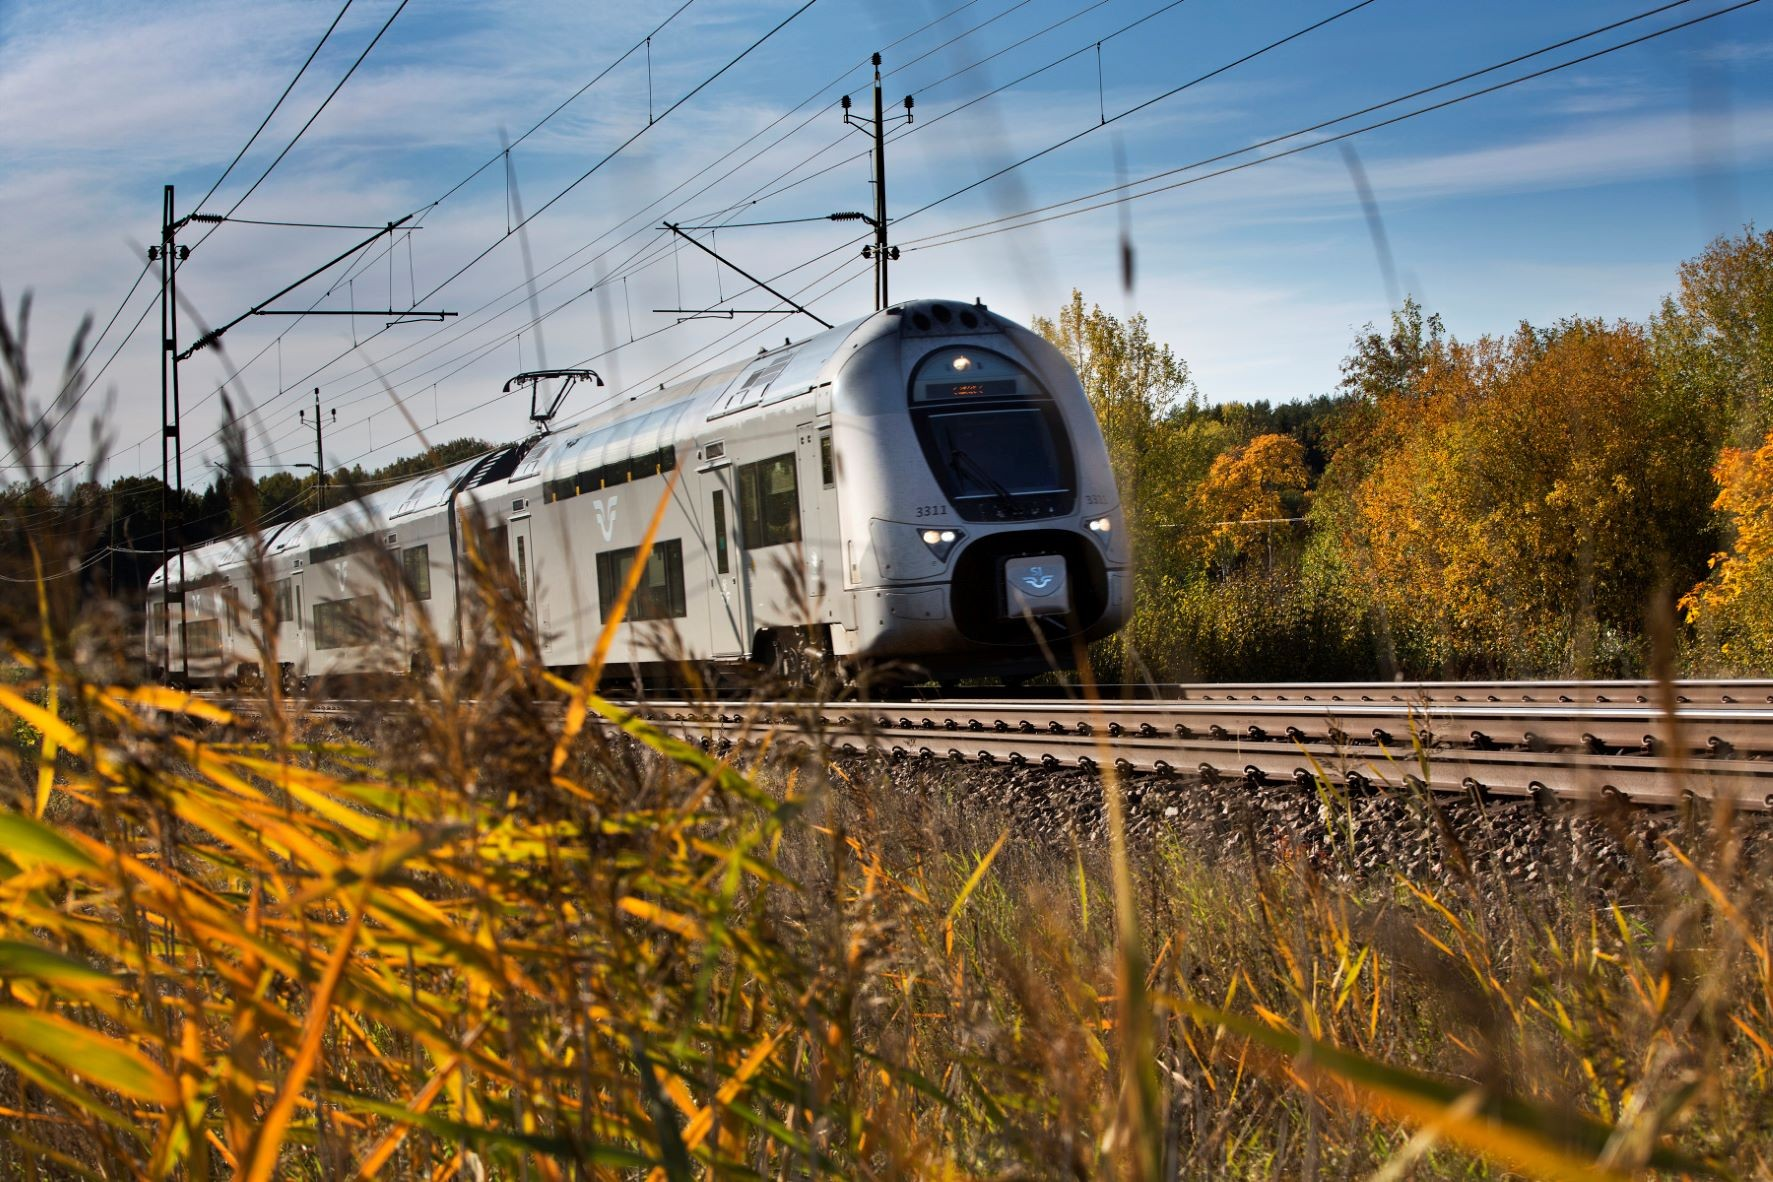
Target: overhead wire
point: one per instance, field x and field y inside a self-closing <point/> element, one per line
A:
<point x="253" y="138"/>
<point x="587" y="360"/>
<point x="72" y="402"/>
<point x="324" y="103"/>
<point x="811" y="98"/>
<point x="948" y="238"/>
<point x="611" y="155"/>
<point x="1356" y="7"/>
<point x="423" y="209"/>
<point x="589" y="172"/>
<point x="681" y="185"/>
<point x="924" y="126"/>
<point x="1146" y="104"/>
<point x="229" y="170"/>
<point x="275" y="107"/>
<point x="914" y="32"/>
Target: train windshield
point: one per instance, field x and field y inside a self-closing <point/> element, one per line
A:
<point x="992" y="436"/>
<point x="997" y="453"/>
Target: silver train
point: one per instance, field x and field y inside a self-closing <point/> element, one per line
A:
<point x="925" y="486"/>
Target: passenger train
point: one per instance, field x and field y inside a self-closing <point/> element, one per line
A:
<point x="926" y="486"/>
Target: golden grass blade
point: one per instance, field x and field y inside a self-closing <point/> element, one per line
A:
<point x="22" y="961"/>
<point x="977" y="876"/>
<point x="84" y="1054"/>
<point x="966" y="890"/>
<point x="1531" y="1136"/>
<point x="50" y="725"/>
<point x="618" y="611"/>
<point x="46" y="757"/>
<point x="28" y="842"/>
<point x="661" y="917"/>
<point x="261" y="1158"/>
<point x="167" y="700"/>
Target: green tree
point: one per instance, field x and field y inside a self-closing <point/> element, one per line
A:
<point x="1137" y="387"/>
<point x="1714" y="336"/>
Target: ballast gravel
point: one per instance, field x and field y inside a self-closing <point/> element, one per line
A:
<point x="1603" y="846"/>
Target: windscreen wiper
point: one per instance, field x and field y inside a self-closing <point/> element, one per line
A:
<point x="957" y="457"/>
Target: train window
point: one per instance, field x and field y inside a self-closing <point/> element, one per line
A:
<point x="203" y="640"/>
<point x="660" y="593"/>
<point x="284" y="615"/>
<point x="589" y="480"/>
<point x="415" y="567"/>
<point x="339" y="549"/>
<point x="993" y="437"/>
<point x="721" y="562"/>
<point x="769" y="503"/>
<point x="298" y="607"/>
<point x="826" y="470"/>
<point x="344" y="623"/>
<point x="522" y="568"/>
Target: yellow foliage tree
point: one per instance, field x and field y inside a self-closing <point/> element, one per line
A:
<point x="1246" y="493"/>
<point x="1735" y="603"/>
<point x="1539" y="485"/>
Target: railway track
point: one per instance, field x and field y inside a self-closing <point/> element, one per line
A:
<point x="1553" y="740"/>
<point x="1718" y="692"/>
<point x="1577" y="748"/>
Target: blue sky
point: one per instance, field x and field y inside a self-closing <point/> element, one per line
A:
<point x="1575" y="194"/>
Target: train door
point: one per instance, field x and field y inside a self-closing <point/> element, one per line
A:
<point x="296" y="638"/>
<point x="729" y="616"/>
<point x="523" y="558"/>
<point x="818" y="499"/>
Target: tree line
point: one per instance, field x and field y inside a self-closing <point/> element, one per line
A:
<point x="1585" y="498"/>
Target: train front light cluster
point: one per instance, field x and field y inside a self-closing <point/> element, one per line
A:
<point x="940" y="541"/>
<point x="1100" y="525"/>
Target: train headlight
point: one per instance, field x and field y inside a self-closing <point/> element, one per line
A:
<point x="940" y="541"/>
<point x="1100" y="525"/>
<point x="962" y="363"/>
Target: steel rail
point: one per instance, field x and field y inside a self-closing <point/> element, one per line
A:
<point x="1714" y="731"/>
<point x="1574" y="776"/>
<point x="1695" y="691"/>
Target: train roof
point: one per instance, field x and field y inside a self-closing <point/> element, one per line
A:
<point x="635" y="426"/>
<point x="430" y="490"/>
<point x="654" y="419"/>
<point x="374" y="510"/>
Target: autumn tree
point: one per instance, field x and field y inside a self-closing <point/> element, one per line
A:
<point x="1137" y="387"/>
<point x="1540" y="485"/>
<point x="1733" y="606"/>
<point x="1248" y="492"/>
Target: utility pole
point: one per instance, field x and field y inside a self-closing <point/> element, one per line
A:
<point x="880" y="252"/>
<point x="170" y="254"/>
<point x="172" y="460"/>
<point x="319" y="447"/>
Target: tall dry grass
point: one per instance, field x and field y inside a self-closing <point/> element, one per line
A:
<point x="226" y="954"/>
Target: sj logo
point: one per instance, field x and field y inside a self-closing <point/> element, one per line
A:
<point x="1037" y="579"/>
<point x="606" y="516"/>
